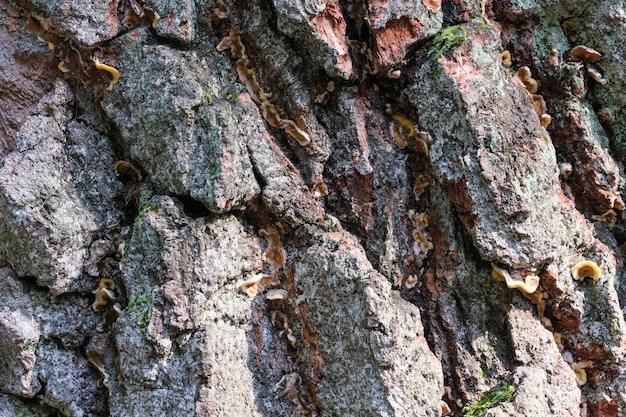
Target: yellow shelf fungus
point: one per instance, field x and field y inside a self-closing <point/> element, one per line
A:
<point x="586" y="269"/>
<point x="528" y="286"/>
<point x="115" y="74"/>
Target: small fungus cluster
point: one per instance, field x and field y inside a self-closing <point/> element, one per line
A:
<point x="553" y="61"/>
<point x="72" y="57"/>
<point x="529" y="82"/>
<point x="276" y="294"/>
<point x="275" y="253"/>
<point x="97" y="251"/>
<point x="290" y="385"/>
<point x="558" y="340"/>
<point x="422" y="181"/>
<point x="506" y="59"/>
<point x="131" y="177"/>
<point x="532" y="86"/>
<point x="282" y="322"/>
<point x="127" y="171"/>
<point x="588" y="56"/>
<point x="411" y="281"/>
<point x="97" y="362"/>
<point x="106" y="300"/>
<point x="445" y="408"/>
<point x="249" y="79"/>
<point x="394" y="74"/>
<point x="405" y="135"/>
<point x="135" y="13"/>
<point x="607" y="116"/>
<point x="421" y="238"/>
<point x="257" y="283"/>
<point x="319" y="188"/>
<point x="579" y="370"/>
<point x="578" y="366"/>
<point x="276" y="257"/>
<point x="322" y="98"/>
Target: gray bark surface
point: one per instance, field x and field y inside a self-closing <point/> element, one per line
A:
<point x="327" y="208"/>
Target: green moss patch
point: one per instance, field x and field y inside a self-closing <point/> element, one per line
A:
<point x="501" y="393"/>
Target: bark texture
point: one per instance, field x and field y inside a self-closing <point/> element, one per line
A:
<point x="312" y="208"/>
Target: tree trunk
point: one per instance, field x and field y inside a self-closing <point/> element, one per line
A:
<point x="312" y="208"/>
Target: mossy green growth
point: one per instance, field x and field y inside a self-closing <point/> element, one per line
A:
<point x="452" y="36"/>
<point x="144" y="210"/>
<point x="30" y="412"/>
<point x="139" y="309"/>
<point x="448" y="39"/>
<point x="501" y="393"/>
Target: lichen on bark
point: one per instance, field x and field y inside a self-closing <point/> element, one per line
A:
<point x="242" y="270"/>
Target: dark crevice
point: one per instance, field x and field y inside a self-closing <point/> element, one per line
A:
<point x="193" y="208"/>
<point x="31" y="284"/>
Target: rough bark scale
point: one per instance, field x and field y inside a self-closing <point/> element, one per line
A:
<point x="371" y="246"/>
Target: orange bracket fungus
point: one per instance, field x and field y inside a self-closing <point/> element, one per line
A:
<point x="586" y="269"/>
<point x="432" y="5"/>
<point x="445" y="408"/>
<point x="545" y="120"/>
<point x="537" y="298"/>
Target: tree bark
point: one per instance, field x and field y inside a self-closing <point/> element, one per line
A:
<point x="312" y="208"/>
